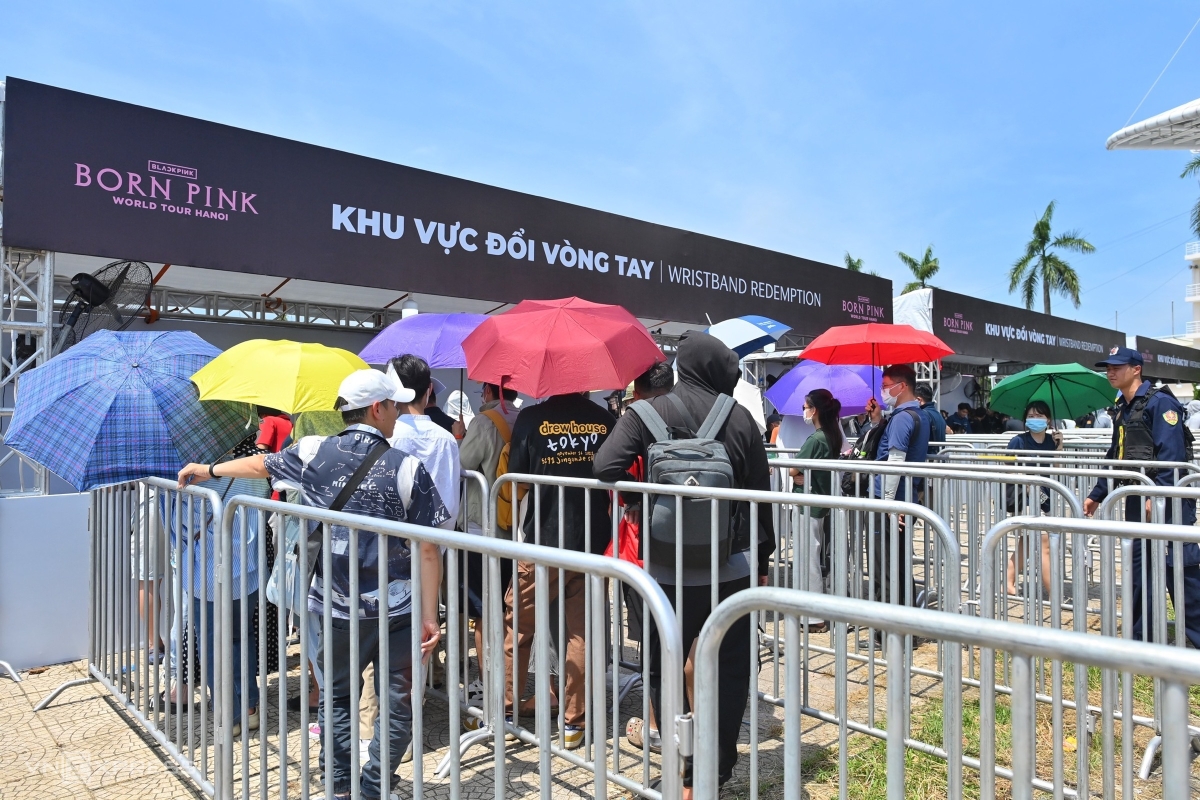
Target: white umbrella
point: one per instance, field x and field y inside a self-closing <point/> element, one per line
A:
<point x="744" y="335"/>
<point x="750" y="397"/>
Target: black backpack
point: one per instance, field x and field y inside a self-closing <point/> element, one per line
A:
<point x="696" y="459"/>
<point x="866" y="448"/>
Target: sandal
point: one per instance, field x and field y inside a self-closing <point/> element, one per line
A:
<point x="633" y="735"/>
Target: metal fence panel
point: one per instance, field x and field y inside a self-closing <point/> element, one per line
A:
<point x="1025" y="645"/>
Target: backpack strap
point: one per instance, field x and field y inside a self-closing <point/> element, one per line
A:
<point x="651" y="419"/>
<point x="501" y="424"/>
<point x="717" y="416"/>
<point x="689" y="421"/>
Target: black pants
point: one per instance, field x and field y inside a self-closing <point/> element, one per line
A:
<point x="1143" y="618"/>
<point x="399" y="691"/>
<point x="734" y="690"/>
<point x="472" y="570"/>
<point x="883" y="564"/>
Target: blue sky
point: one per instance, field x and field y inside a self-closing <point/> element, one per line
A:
<point x="807" y="128"/>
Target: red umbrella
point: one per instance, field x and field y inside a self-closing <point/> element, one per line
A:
<point x="876" y="344"/>
<point x="545" y="347"/>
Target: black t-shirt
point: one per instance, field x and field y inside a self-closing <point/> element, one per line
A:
<point x="439" y="417"/>
<point x="560" y="437"/>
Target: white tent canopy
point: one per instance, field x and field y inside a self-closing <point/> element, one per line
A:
<point x="914" y="308"/>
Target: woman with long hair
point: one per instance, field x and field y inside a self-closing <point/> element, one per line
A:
<point x="823" y="411"/>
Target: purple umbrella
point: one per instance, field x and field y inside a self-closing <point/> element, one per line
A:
<point x="852" y="385"/>
<point x="437" y="338"/>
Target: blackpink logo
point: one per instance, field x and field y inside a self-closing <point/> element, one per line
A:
<point x="154" y="191"/>
<point x="956" y="324"/>
<point x="163" y="168"/>
<point x="862" y="309"/>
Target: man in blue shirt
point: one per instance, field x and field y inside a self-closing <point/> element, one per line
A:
<point x="905" y="439"/>
<point x="1149" y="427"/>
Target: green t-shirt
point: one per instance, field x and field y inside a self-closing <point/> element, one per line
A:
<point x="817" y="446"/>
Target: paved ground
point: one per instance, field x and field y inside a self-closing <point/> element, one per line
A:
<point x="87" y="746"/>
<point x="81" y="747"/>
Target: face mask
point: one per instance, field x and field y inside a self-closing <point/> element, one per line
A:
<point x="808" y="415"/>
<point x="889" y="399"/>
<point x="1036" y="425"/>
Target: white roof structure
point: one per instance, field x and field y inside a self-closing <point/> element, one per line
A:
<point x="1177" y="129"/>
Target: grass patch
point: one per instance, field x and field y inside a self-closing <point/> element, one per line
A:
<point x="925" y="776"/>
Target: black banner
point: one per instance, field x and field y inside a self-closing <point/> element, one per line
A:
<point x="1170" y="362"/>
<point x="980" y="328"/>
<point x="94" y="176"/>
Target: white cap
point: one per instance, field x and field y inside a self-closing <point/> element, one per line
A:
<point x="366" y="386"/>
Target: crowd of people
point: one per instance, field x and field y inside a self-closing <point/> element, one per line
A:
<point x="394" y="459"/>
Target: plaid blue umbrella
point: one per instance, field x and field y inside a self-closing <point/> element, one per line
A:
<point x="121" y="406"/>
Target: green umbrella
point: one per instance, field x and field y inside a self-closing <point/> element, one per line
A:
<point x="1071" y="390"/>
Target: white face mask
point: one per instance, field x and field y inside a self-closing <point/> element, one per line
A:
<point x="808" y="415"/>
<point x="889" y="399"/>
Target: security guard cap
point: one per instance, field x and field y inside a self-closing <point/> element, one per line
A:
<point x="1120" y="356"/>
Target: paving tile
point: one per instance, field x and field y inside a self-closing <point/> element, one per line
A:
<point x="21" y="749"/>
<point x="49" y="789"/>
<point x="160" y="787"/>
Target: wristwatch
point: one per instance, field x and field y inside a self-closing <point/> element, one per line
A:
<point x="211" y="474"/>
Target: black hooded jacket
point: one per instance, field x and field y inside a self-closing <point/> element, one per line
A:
<point x="706" y="368"/>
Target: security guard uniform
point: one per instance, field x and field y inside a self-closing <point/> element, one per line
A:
<point x="1150" y="428"/>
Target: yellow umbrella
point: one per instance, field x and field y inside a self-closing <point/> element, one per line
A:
<point x="290" y="376"/>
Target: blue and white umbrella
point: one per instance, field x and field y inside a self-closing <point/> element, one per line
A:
<point x="744" y="335"/>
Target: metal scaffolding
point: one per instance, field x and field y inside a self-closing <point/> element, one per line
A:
<point x="26" y="338"/>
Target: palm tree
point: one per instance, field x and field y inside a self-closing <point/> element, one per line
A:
<point x="1041" y="264"/>
<point x="1192" y="168"/>
<point x="853" y="264"/>
<point x="922" y="270"/>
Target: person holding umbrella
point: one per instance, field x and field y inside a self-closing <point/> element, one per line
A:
<point x="1039" y="435"/>
<point x="905" y="439"/>
<point x="560" y="349"/>
<point x="559" y="436"/>
<point x="823" y="411"/>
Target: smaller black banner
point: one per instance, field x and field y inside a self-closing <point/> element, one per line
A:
<point x="1170" y="362"/>
<point x="980" y="328"/>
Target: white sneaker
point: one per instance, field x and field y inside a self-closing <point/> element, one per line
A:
<point x="474" y="694"/>
<point x="252" y="720"/>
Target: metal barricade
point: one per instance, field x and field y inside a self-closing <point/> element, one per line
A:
<point x="1112" y="615"/>
<point x="1091" y="461"/>
<point x="1027" y="647"/>
<point x="936" y="568"/>
<point x="278" y="758"/>
<point x="1073" y="440"/>
<point x="969" y="501"/>
<point x="148" y="583"/>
